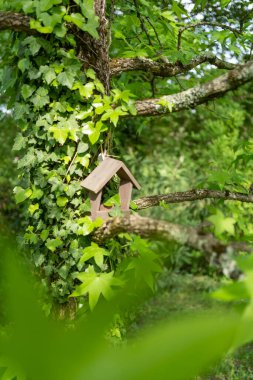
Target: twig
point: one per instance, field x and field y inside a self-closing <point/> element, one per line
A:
<point x="190" y="196"/>
<point x="204" y="23"/>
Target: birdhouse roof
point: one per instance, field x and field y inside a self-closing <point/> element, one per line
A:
<point x="99" y="177"/>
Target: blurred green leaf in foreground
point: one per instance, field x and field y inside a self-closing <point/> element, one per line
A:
<point x="37" y="348"/>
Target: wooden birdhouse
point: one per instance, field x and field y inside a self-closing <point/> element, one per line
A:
<point x="97" y="181"/>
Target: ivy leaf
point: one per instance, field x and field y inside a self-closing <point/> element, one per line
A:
<point x="37" y="193"/>
<point x="84" y="114"/>
<point x="33" y="208"/>
<point x="82" y="147"/>
<point x="94" y="251"/>
<point x="48" y="74"/>
<point x="60" y="31"/>
<point x="60" y="134"/>
<point x="112" y="201"/>
<point x="222" y="224"/>
<point x="87" y="90"/>
<point x="90" y="73"/>
<point x="24" y="64"/>
<point x="113" y="115"/>
<point x="21" y="194"/>
<point x="77" y="19"/>
<point x="35" y="24"/>
<point x="51" y="20"/>
<point x="27" y="91"/>
<point x="44" y="235"/>
<point x="87" y="226"/>
<point x="61" y="201"/>
<point x="41" y="98"/>
<point x="34" y="45"/>
<point x="66" y="78"/>
<point x="52" y="244"/>
<point x="94" y="136"/>
<point x="20" y="142"/>
<point x="94" y="284"/>
<point x="88" y="11"/>
<point x="45" y="5"/>
<point x="166" y="104"/>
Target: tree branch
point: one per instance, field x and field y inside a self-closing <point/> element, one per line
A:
<point x="197" y="95"/>
<point x="191" y="195"/>
<point x="152" y="228"/>
<point x="17" y="22"/>
<point x="165" y="69"/>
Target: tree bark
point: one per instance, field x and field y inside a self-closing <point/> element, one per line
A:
<point x="165" y="69"/>
<point x="152" y="228"/>
<point x="197" y="95"/>
<point x="191" y="195"/>
<point x="17" y="22"/>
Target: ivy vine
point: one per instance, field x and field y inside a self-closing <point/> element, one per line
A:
<point x="64" y="117"/>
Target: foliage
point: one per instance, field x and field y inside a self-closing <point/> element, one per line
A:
<point x="63" y="115"/>
<point x="34" y="347"/>
<point x="65" y="118"/>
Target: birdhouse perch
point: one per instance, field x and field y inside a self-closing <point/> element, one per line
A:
<point x="97" y="181"/>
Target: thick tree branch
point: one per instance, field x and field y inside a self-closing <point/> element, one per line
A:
<point x="197" y="95"/>
<point x="17" y="22"/>
<point x="165" y="69"/>
<point x="152" y="228"/>
<point x="191" y="195"/>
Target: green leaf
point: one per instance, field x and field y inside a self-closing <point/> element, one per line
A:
<point x="41" y="98"/>
<point x="53" y="244"/>
<point x="113" y="115"/>
<point x="44" y="235"/>
<point x="232" y="292"/>
<point x="222" y="224"/>
<point x="94" y="251"/>
<point x="60" y="31"/>
<point x="27" y="91"/>
<point x="24" y="64"/>
<point x="66" y="78"/>
<point x="94" y="136"/>
<point x="178" y="9"/>
<point x="21" y="194"/>
<point x="90" y="73"/>
<point x="61" y="201"/>
<point x="87" y="90"/>
<point x="221" y="177"/>
<point x="133" y="206"/>
<point x="80" y="22"/>
<point x="76" y="18"/>
<point x="224" y="3"/>
<point x="145" y="265"/>
<point x="84" y="114"/>
<point x="86" y="226"/>
<point x="51" y="20"/>
<point x="60" y="134"/>
<point x="112" y="201"/>
<point x="35" y="24"/>
<point x="37" y="193"/>
<point x="48" y="73"/>
<point x="34" y="45"/>
<point x="20" y="142"/>
<point x="94" y="284"/>
<point x="33" y="208"/>
<point x="45" y="5"/>
<point x="166" y="104"/>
